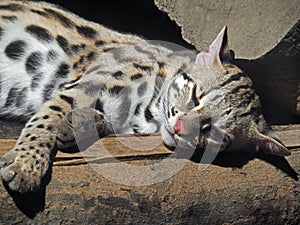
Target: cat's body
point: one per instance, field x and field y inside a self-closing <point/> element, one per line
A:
<point x="66" y="71"/>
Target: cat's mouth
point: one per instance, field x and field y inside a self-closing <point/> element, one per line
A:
<point x="173" y="141"/>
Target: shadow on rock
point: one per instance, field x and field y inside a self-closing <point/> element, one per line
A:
<point x="276" y="78"/>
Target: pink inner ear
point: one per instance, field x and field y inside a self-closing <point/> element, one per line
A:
<point x="206" y="59"/>
<point x="211" y="57"/>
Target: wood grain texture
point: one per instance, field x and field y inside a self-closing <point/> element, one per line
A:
<point x="135" y="146"/>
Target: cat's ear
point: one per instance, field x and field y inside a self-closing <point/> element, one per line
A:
<point x="218" y="52"/>
<point x="270" y="144"/>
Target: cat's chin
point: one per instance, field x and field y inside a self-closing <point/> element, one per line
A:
<point x="168" y="138"/>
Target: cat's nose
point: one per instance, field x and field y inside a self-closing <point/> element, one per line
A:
<point x="179" y="128"/>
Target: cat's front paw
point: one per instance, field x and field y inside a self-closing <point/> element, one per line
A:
<point x="22" y="170"/>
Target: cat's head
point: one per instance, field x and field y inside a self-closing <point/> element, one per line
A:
<point x="198" y="108"/>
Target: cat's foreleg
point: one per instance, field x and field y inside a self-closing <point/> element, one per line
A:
<point x="23" y="167"/>
<point x="80" y="128"/>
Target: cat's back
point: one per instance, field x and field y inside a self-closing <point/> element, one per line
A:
<point x="43" y="47"/>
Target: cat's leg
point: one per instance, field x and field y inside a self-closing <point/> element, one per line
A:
<point x="80" y="128"/>
<point x="23" y="168"/>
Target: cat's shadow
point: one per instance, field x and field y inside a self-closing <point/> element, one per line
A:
<point x="276" y="79"/>
<point x="31" y="203"/>
<point x="239" y="160"/>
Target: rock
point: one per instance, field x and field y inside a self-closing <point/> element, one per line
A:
<point x="254" y="27"/>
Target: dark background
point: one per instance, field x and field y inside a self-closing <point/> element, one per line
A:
<point x="139" y="17"/>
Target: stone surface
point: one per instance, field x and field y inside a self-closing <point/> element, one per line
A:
<point x="258" y="193"/>
<point x="234" y="189"/>
<point x="255" y="26"/>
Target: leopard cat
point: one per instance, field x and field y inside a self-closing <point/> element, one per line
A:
<point x="59" y="71"/>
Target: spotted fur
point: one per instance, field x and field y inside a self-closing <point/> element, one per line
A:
<point x="64" y="74"/>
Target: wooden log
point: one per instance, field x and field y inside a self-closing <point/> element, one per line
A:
<point x="233" y="190"/>
<point x="128" y="146"/>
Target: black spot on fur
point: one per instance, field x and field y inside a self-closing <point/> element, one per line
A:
<point x="11" y="7"/>
<point x="15" y="49"/>
<point x="91" y="56"/>
<point x="52" y="55"/>
<point x="136" y="76"/>
<point x="45" y="117"/>
<point x="81" y="59"/>
<point x="142" y="67"/>
<point x="87" y="32"/>
<point x="75" y="66"/>
<point x="184" y="74"/>
<point x="67" y="99"/>
<point x="64" y="44"/>
<point x="115" y="90"/>
<point x="11" y="97"/>
<point x="40" y="126"/>
<point x="55" y="108"/>
<point x="50" y="128"/>
<point x="60" y="17"/>
<point x="173" y="111"/>
<point x="79" y="62"/>
<point x="119" y="75"/>
<point x="48" y="145"/>
<point x="148" y="114"/>
<point x="77" y="48"/>
<point x="39" y="32"/>
<point x="97" y="105"/>
<point x="10" y="18"/>
<point x="100" y="43"/>
<point x="63" y="70"/>
<point x="108" y="49"/>
<point x="33" y="138"/>
<point x="39" y="12"/>
<point x="33" y="62"/>
<point x="137" y="109"/>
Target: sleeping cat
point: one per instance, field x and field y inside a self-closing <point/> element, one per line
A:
<point x="59" y="71"/>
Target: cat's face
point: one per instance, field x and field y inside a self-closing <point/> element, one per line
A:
<point x="213" y="103"/>
<point x="187" y="119"/>
<point x="187" y="113"/>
